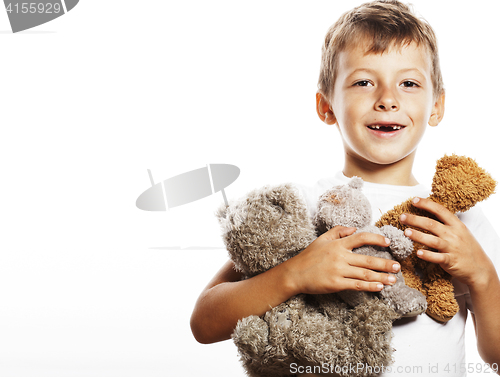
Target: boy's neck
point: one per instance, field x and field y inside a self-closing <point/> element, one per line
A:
<point x="399" y="173"/>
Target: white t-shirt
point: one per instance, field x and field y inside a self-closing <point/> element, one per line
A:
<point x="423" y="347"/>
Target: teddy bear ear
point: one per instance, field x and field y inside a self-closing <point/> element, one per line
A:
<point x="356" y="183"/>
<point x="286" y="196"/>
<point x="221" y="213"/>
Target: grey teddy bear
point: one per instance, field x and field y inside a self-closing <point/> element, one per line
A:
<point x="271" y="225"/>
<point x="335" y="207"/>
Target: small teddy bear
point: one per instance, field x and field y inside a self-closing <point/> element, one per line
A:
<point x="264" y="229"/>
<point x="347" y="206"/>
<point x="458" y="184"/>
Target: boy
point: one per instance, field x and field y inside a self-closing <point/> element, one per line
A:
<point x="380" y="85"/>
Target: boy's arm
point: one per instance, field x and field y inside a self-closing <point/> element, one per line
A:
<point x="486" y="301"/>
<point x="227" y="298"/>
<point x="327" y="265"/>
<point x="463" y="257"/>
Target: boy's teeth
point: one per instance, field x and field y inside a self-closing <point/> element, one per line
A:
<point x="377" y="127"/>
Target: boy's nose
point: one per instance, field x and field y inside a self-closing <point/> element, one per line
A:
<point x="385" y="107"/>
<point x="387" y="101"/>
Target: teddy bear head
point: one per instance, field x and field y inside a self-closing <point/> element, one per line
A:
<point x="344" y="205"/>
<point x="459" y="183"/>
<point x="265" y="228"/>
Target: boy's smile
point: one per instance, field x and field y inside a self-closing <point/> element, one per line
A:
<point x="385" y="129"/>
<point x="382" y="104"/>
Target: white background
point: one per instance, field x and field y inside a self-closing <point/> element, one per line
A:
<point x="91" y="100"/>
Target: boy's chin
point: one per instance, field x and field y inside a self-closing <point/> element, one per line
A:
<point x="386" y="160"/>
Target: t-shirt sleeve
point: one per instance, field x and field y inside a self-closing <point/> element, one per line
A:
<point x="485" y="234"/>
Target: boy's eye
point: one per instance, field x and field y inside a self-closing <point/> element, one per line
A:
<point x="409" y="84"/>
<point x="363" y="83"/>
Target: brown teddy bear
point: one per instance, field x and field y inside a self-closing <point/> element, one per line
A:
<point x="458" y="184"/>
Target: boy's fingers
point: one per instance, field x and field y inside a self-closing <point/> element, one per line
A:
<point x="338" y="232"/>
<point x="362" y="239"/>
<point x="359" y="285"/>
<point x="369" y="263"/>
<point x="421" y="222"/>
<point x="436" y="209"/>
<point x="433" y="257"/>
<point x="367" y="275"/>
<point x="426" y="239"/>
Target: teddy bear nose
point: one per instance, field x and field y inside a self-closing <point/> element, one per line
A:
<point x="333" y="199"/>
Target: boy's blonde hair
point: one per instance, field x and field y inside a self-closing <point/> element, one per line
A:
<point x="382" y="23"/>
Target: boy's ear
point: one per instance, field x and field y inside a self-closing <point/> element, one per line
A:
<point x="323" y="109"/>
<point x="437" y="111"/>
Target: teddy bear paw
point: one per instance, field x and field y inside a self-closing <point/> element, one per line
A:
<point x="251" y="337"/>
<point x="408" y="302"/>
<point x="401" y="246"/>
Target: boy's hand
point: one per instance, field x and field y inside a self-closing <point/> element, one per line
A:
<point x="462" y="256"/>
<point x="459" y="252"/>
<point x="328" y="264"/>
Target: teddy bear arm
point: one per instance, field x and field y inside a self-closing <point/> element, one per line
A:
<point x="263" y="341"/>
<point x="401" y="246"/>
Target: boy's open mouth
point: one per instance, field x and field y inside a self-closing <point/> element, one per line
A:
<point x="386" y="127"/>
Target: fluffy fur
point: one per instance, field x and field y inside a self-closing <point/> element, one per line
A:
<point x="348" y="206"/>
<point x="262" y="230"/>
<point x="458" y="184"/>
<point x="265" y="228"/>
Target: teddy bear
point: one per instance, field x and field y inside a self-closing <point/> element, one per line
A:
<point x="458" y="184"/>
<point x="335" y="207"/>
<point x="266" y="228"/>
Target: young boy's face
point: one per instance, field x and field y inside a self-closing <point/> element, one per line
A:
<point x="382" y="103"/>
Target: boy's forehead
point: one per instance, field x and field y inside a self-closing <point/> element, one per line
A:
<point x="409" y="54"/>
